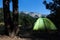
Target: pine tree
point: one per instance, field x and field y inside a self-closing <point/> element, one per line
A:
<point x="7" y="18"/>
<point x="54" y="8"/>
<point x="15" y="16"/>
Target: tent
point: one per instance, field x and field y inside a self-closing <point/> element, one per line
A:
<point x="43" y="24"/>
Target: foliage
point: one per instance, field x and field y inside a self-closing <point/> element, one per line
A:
<point x="1" y="15"/>
<point x="54" y="7"/>
<point x="26" y="19"/>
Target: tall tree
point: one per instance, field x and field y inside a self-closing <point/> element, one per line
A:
<point x="54" y="7"/>
<point x="15" y="15"/>
<point x="7" y="18"/>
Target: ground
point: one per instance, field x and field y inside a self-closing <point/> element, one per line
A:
<point x="12" y="38"/>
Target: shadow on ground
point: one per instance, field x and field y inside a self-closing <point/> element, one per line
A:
<point x="29" y="34"/>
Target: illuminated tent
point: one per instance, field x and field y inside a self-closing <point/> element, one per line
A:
<point x="43" y="24"/>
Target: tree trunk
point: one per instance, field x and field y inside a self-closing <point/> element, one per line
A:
<point x="15" y="16"/>
<point x="7" y="18"/>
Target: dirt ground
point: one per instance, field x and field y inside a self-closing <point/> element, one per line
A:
<point x="12" y="38"/>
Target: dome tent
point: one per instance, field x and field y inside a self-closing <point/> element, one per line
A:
<point x="43" y="24"/>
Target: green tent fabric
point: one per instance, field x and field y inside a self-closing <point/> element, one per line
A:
<point x="39" y="24"/>
<point x="44" y="23"/>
